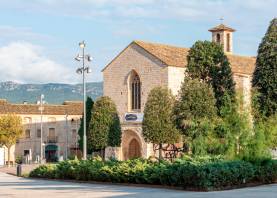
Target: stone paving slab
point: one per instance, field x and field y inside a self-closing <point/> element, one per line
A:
<point x="15" y="187"/>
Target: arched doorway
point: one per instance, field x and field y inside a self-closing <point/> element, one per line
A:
<point x="134" y="149"/>
<point x="131" y="145"/>
<point x="51" y="153"/>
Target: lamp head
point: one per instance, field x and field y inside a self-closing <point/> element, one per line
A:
<point x="89" y="58"/>
<point x="88" y="70"/>
<point x="77" y="58"/>
<point x="79" y="71"/>
<point x="82" y="44"/>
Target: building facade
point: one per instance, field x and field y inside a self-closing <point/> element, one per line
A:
<point x="60" y="124"/>
<point x="141" y="66"/>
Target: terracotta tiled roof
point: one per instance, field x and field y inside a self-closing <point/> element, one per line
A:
<point x="70" y="108"/>
<point x="221" y="27"/>
<point x="176" y="57"/>
<point x="242" y="64"/>
<point x="170" y="55"/>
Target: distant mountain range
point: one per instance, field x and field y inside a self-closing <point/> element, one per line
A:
<point x="54" y="93"/>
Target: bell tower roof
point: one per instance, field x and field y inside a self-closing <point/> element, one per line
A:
<point x="223" y="35"/>
<point x="221" y="27"/>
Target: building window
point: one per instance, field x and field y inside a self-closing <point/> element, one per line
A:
<point x="52" y="136"/>
<point x="38" y="133"/>
<point x="136" y="92"/>
<point x="26" y="152"/>
<point x="218" y="38"/>
<point x="74" y="134"/>
<point x="27" y="120"/>
<point x="51" y="132"/>
<point x="228" y="43"/>
<point x="27" y="133"/>
<point x="52" y="120"/>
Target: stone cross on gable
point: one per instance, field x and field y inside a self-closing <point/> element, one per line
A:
<point x="221" y="20"/>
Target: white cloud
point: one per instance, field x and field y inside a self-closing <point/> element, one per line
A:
<point x="24" y="62"/>
<point x="170" y="9"/>
<point x="8" y="33"/>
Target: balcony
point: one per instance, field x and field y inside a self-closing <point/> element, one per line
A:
<point x="52" y="139"/>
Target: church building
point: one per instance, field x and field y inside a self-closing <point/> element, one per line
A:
<point x="141" y="66"/>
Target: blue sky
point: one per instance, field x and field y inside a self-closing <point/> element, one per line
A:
<point x="39" y="38"/>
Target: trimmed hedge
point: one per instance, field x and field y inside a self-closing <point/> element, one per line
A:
<point x="207" y="174"/>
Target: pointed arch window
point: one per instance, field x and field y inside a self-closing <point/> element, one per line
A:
<point x="218" y="38"/>
<point x="228" y="43"/>
<point x="135" y="92"/>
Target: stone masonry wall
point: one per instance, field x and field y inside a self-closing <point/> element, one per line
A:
<point x="151" y="71"/>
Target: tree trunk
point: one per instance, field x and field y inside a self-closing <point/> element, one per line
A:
<point x="160" y="151"/>
<point x="9" y="151"/>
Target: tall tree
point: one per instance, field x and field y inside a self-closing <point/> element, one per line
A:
<point x="104" y="128"/>
<point x="10" y="130"/>
<point x="89" y="106"/>
<point x="194" y="112"/>
<point x="158" y="126"/>
<point x="207" y="61"/>
<point x="265" y="74"/>
<point x="235" y="128"/>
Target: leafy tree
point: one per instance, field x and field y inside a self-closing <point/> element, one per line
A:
<point x="207" y="61"/>
<point x="235" y="128"/>
<point x="271" y="131"/>
<point x="158" y="126"/>
<point x="258" y="147"/>
<point x="265" y="74"/>
<point x="195" y="100"/>
<point x="268" y="127"/>
<point x="104" y="128"/>
<point x="10" y="130"/>
<point x="89" y="106"/>
<point x="194" y="113"/>
<point x="198" y="135"/>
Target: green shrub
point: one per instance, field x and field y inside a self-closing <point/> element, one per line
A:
<point x="19" y="160"/>
<point x="202" y="172"/>
<point x="66" y="169"/>
<point x="44" y="171"/>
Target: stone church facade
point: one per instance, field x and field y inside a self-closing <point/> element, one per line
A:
<point x="141" y="66"/>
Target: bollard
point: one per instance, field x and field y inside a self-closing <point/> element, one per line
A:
<point x="19" y="170"/>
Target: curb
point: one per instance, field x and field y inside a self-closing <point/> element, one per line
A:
<point x="249" y="185"/>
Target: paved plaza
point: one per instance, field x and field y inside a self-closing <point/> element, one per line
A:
<point x="13" y="187"/>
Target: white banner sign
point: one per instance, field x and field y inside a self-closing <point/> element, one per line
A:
<point x="133" y="117"/>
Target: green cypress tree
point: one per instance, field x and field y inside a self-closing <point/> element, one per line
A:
<point x="265" y="74"/>
<point x="89" y="106"/>
<point x="207" y="61"/>
<point x="158" y="126"/>
<point x="104" y="128"/>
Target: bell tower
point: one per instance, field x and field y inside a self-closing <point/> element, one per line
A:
<point x="223" y="35"/>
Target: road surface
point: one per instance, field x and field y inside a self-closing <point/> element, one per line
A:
<point x="15" y="187"/>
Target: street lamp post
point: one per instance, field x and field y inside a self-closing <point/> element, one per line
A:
<point x="83" y="70"/>
<point x="41" y="138"/>
<point x="66" y="147"/>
